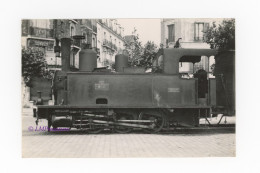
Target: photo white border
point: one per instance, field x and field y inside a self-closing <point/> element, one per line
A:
<point x="247" y="82"/>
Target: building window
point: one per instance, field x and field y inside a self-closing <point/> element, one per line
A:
<point x="105" y="38"/>
<point x="110" y="23"/>
<point x="94" y="43"/>
<point x="41" y="23"/>
<point x="199" y="31"/>
<point x="84" y="40"/>
<point x="72" y="31"/>
<point x="171" y="33"/>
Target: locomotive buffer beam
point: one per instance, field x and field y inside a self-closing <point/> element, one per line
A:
<point x="124" y="124"/>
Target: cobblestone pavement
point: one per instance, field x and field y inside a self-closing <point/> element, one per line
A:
<point x="81" y="144"/>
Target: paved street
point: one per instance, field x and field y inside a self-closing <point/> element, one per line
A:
<point x="81" y="144"/>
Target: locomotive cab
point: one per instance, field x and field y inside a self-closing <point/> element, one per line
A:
<point x="174" y="59"/>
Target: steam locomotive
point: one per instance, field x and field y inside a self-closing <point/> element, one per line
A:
<point x="96" y="99"/>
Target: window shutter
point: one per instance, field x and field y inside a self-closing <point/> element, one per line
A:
<point x="169" y="32"/>
<point x="205" y="29"/>
<point x="195" y="31"/>
<point x="173" y="33"/>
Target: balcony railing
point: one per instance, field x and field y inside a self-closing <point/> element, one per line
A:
<point x="110" y="27"/>
<point x="41" y="32"/>
<point x="109" y="44"/>
<point x="114" y="47"/>
<point x="105" y="43"/>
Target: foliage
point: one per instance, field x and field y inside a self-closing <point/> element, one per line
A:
<point x="212" y="67"/>
<point x="141" y="56"/>
<point x="106" y="62"/>
<point x="148" y="55"/>
<point x="222" y="37"/>
<point x="113" y="66"/>
<point x="134" y="49"/>
<point x="33" y="65"/>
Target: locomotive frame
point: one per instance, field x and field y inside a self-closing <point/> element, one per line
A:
<point x="123" y="101"/>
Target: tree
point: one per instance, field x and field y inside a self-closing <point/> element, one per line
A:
<point x="212" y="67"/>
<point x="222" y="37"/>
<point x="148" y="55"/>
<point x="134" y="48"/>
<point x="33" y="65"/>
<point x="140" y="56"/>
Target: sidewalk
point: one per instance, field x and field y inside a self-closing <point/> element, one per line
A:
<point x="27" y="111"/>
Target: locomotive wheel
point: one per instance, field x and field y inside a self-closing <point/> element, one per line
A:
<point x="124" y="116"/>
<point x="95" y="128"/>
<point x="157" y="117"/>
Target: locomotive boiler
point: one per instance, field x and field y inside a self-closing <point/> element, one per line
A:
<point x="97" y="99"/>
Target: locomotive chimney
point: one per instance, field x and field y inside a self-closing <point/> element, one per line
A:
<point x="65" y="54"/>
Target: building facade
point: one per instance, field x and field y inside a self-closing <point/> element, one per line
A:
<point x="89" y="30"/>
<point x="192" y="34"/>
<point x="42" y="35"/>
<point x="110" y="41"/>
<point x="39" y="35"/>
<point x="68" y="28"/>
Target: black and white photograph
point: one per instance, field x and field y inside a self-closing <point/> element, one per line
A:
<point x="128" y="88"/>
